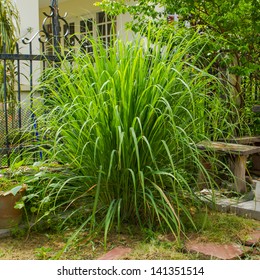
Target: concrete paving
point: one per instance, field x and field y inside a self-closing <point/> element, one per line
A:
<point x="250" y="209"/>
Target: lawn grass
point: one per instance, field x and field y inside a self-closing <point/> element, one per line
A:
<point x="224" y="228"/>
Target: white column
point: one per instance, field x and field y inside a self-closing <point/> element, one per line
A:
<point x="29" y="17"/>
<point x="29" y="25"/>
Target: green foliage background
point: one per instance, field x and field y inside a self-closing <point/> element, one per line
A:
<point x="234" y="31"/>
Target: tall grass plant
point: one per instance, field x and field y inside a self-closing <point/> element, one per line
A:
<point x="123" y="123"/>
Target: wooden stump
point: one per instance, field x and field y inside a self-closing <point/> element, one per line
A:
<point x="202" y="179"/>
<point x="239" y="173"/>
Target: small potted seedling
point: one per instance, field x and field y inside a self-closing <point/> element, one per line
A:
<point x="11" y="192"/>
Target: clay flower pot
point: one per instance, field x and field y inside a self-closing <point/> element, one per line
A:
<point x="9" y="216"/>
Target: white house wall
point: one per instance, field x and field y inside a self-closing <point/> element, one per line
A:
<point x="84" y="9"/>
<point x="29" y="25"/>
<point x="29" y="16"/>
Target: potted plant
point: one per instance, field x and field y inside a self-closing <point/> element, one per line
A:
<point x="11" y="191"/>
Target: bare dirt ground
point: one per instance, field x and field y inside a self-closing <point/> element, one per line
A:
<point x="44" y="245"/>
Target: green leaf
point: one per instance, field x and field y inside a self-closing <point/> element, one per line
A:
<point x="19" y="205"/>
<point x="14" y="190"/>
<point x="33" y="209"/>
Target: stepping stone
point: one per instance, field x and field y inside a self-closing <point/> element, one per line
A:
<point x="116" y="253"/>
<point x="218" y="251"/>
<point x="253" y="238"/>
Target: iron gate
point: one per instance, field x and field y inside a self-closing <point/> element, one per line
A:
<point x="18" y="127"/>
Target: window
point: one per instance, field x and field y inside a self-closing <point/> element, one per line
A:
<point x="65" y="36"/>
<point x="69" y="34"/>
<point x="72" y="33"/>
<point x="82" y="30"/>
<point x="86" y="29"/>
<point x="105" y="27"/>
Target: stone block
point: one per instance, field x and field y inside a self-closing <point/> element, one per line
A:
<point x="250" y="209"/>
<point x="5" y="233"/>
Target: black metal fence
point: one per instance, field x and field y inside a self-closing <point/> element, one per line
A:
<point x="18" y="127"/>
<point x="19" y="74"/>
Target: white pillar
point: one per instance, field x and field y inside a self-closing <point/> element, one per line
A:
<point x="29" y="25"/>
<point x="29" y="17"/>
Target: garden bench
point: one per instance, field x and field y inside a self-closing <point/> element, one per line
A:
<point x="249" y="140"/>
<point x="238" y="152"/>
<point x="245" y="140"/>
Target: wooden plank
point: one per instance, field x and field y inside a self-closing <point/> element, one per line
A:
<point x="236" y="149"/>
<point x="245" y="140"/>
<point x="255" y="172"/>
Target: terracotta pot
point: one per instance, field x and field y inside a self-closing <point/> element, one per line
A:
<point x="9" y="216"/>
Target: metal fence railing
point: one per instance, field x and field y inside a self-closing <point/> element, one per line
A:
<point x="17" y="83"/>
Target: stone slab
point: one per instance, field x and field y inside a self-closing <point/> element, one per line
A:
<point x="224" y="204"/>
<point x="116" y="253"/>
<point x="5" y="233"/>
<point x="250" y="209"/>
<point x="253" y="238"/>
<point x="220" y="204"/>
<point x="8" y="231"/>
<point x="217" y="251"/>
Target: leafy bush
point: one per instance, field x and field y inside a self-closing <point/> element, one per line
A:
<point x="123" y="123"/>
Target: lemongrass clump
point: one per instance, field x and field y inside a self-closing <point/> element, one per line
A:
<point x="124" y="122"/>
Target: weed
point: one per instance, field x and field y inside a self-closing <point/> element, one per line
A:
<point x="43" y="253"/>
<point x="2" y="253"/>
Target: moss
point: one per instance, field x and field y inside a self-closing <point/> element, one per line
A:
<point x="223" y="228"/>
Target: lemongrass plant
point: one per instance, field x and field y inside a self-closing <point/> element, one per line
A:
<point x="124" y="122"/>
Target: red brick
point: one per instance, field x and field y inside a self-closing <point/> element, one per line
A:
<point x="115" y="253"/>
